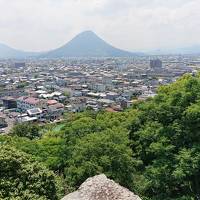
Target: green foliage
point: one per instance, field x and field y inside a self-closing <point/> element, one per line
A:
<point x="166" y="138"/>
<point x="66" y="94"/>
<point x="22" y="85"/>
<point x="106" y="152"/>
<point x="23" y="178"/>
<point x="47" y="150"/>
<point x="51" y="151"/>
<point x="56" y="149"/>
<point x="28" y="130"/>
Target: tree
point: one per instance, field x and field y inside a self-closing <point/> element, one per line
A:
<point x="66" y="94"/>
<point x="166" y="137"/>
<point x="22" y="85"/>
<point x="23" y="178"/>
<point x="28" y="130"/>
<point x="105" y="152"/>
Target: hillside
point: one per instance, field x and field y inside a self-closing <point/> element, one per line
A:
<point x="8" y="52"/>
<point x="88" y="44"/>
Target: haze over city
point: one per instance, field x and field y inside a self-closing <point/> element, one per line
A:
<point x="39" y="25"/>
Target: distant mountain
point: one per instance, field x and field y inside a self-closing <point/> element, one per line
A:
<point x="88" y="44"/>
<point x="8" y="52"/>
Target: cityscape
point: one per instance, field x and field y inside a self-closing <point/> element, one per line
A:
<point x="43" y="90"/>
<point x="99" y="100"/>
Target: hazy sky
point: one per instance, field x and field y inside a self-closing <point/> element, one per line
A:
<point x="128" y="24"/>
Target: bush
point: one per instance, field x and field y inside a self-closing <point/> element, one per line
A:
<point x="23" y="178"/>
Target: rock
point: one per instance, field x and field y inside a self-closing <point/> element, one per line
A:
<point x="101" y="188"/>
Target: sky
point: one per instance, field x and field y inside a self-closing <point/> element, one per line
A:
<point x="39" y="25"/>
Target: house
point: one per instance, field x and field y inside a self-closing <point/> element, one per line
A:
<point x="35" y="112"/>
<point x="54" y="110"/>
<point x="77" y="104"/>
<point x="105" y="102"/>
<point x="9" y="102"/>
<point x="126" y="104"/>
<point x="27" y="103"/>
<point x="112" y="95"/>
<point x="98" y="87"/>
<point x="26" y="119"/>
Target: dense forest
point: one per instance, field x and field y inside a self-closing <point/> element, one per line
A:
<point x="153" y="149"/>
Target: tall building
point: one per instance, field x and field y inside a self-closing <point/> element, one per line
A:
<point x="20" y="64"/>
<point x="156" y="64"/>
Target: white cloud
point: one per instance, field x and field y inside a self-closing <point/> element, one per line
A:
<point x="128" y="24"/>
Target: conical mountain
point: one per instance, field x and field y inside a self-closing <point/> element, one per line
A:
<point x="88" y="44"/>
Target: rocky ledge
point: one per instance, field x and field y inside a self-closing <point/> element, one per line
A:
<point x="101" y="188"/>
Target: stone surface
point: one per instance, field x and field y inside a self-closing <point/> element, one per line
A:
<point x="101" y="188"/>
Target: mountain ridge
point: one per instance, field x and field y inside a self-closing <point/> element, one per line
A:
<point x="9" y="52"/>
